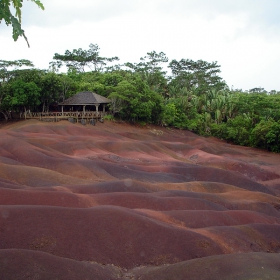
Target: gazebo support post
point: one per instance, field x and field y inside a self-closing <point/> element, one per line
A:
<point x="96" y="109"/>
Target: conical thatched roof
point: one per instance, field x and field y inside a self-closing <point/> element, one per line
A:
<point x="85" y="98"/>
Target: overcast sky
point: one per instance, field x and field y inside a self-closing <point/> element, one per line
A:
<point x="243" y="36"/>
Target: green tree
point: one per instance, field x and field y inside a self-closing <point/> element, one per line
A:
<point x="15" y="19"/>
<point x="169" y="114"/>
<point x="79" y="59"/>
<point x="7" y="68"/>
<point x="22" y="95"/>
<point x="123" y="99"/>
<point x="199" y="76"/>
<point x="273" y="137"/>
<point x="238" y="130"/>
<point x="69" y="87"/>
<point x="266" y="135"/>
<point x="51" y="90"/>
<point x="150" y="68"/>
<point x="133" y="100"/>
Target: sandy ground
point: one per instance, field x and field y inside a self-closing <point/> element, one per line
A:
<point x="117" y="201"/>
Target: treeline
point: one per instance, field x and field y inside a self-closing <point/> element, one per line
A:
<point x="185" y="94"/>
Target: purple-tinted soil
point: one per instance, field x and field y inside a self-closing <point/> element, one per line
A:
<point x="117" y="201"/>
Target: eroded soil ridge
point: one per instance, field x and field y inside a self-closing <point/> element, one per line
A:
<point x="116" y="201"/>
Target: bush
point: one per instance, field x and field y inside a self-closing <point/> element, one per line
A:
<point x="266" y="135"/>
<point x="109" y="117"/>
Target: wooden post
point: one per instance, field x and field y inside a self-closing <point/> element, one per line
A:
<point x="96" y="109"/>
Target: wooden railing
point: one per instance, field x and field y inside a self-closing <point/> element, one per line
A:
<point x="63" y="115"/>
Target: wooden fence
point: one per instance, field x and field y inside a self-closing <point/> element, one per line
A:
<point x="57" y="116"/>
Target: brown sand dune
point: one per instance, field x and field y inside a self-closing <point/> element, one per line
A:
<point x="117" y="201"/>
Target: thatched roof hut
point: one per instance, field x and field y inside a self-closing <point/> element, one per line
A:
<point x="86" y="98"/>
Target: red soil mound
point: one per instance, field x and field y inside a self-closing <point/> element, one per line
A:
<point x="25" y="264"/>
<point x="230" y="267"/>
<point x="206" y="218"/>
<point x="103" y="234"/>
<point x="121" y="195"/>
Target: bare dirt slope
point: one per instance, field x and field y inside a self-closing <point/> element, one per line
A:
<point x="116" y="201"/>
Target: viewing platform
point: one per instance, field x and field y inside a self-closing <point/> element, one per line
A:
<point x="78" y="116"/>
<point x="83" y="107"/>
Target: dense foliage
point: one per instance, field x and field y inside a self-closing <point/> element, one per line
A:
<point x="193" y="96"/>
